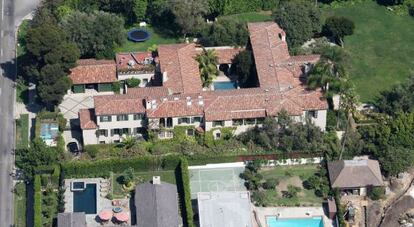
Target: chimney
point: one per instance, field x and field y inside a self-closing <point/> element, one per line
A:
<point x="148" y="104"/>
<point x="282" y="36"/>
<point x="164" y="77"/>
<point x="156" y="180"/>
<point x="200" y="100"/>
<point x="188" y="101"/>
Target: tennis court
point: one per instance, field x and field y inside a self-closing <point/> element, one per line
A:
<point x="216" y="177"/>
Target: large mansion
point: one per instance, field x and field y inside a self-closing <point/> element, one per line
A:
<point x="170" y="92"/>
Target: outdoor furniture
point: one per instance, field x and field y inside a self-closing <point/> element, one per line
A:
<point x="117" y="209"/>
<point x="105" y="215"/>
<point x="122" y="216"/>
<point x="116" y="202"/>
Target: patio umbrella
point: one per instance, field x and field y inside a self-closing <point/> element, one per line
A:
<point x="105" y="215"/>
<point x="122" y="216"/>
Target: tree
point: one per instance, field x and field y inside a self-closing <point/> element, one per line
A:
<point x="225" y="32"/>
<point x="243" y="66"/>
<point x="133" y="82"/>
<point x="338" y="27"/>
<point x="128" y="143"/>
<point x="53" y="85"/>
<point x="395" y="160"/>
<point x="43" y="39"/>
<point x="207" y="64"/>
<point x="96" y="34"/>
<point x="292" y="191"/>
<point x="300" y="20"/>
<point x="37" y="155"/>
<point x="188" y="14"/>
<point x="270" y="183"/>
<point x="398" y="99"/>
<point x="140" y="9"/>
<point x="127" y="177"/>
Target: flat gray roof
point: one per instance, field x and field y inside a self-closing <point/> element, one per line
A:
<point x="230" y="209"/>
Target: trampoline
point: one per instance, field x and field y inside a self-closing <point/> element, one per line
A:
<point x="138" y="35"/>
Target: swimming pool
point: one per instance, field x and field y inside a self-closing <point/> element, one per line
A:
<point x="225" y="85"/>
<point x="49" y="130"/>
<point x="294" y="222"/>
<point x="85" y="201"/>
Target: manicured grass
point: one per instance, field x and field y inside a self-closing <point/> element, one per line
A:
<point x="22" y="131"/>
<point x="140" y="177"/>
<point x="252" y="16"/>
<point x="285" y="174"/>
<point x="20" y="205"/>
<point x="155" y="38"/>
<point x="381" y="49"/>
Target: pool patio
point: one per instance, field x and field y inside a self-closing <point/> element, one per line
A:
<point x="290" y="212"/>
<point x="103" y="187"/>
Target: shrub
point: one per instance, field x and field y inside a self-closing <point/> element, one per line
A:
<point x="376" y="193"/>
<point x="91" y="150"/>
<point x="183" y="185"/>
<point x="116" y="87"/>
<point x="292" y="191"/>
<point x="271" y="183"/>
<point x="127" y="177"/>
<point x="259" y="198"/>
<point x="37" y="204"/>
<point x="133" y="82"/>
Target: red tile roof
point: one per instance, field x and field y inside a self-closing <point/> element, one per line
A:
<point x="92" y="71"/>
<point x="224" y="55"/>
<point x="118" y="104"/>
<point x="87" y="119"/>
<point x="148" y="92"/>
<point x="133" y="61"/>
<point x="177" y="60"/>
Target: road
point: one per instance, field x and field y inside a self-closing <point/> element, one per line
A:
<point x="12" y="12"/>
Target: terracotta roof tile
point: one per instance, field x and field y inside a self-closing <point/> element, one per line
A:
<point x="143" y="92"/>
<point x="118" y="104"/>
<point x="137" y="61"/>
<point x="177" y="60"/>
<point x="87" y="119"/>
<point x="224" y="55"/>
<point x="91" y="71"/>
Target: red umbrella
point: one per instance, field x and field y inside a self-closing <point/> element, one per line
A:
<point x="105" y="215"/>
<point x="122" y="216"/>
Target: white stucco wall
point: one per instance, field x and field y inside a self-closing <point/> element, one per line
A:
<point x="89" y="137"/>
<point x="320" y="121"/>
<point x="140" y="76"/>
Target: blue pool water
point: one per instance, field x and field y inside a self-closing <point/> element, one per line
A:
<point x="49" y="131"/>
<point x="226" y="85"/>
<point x="85" y="201"/>
<point x="294" y="222"/>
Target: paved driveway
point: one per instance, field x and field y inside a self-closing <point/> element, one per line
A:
<point x="71" y="105"/>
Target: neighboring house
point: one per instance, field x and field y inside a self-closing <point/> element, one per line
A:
<point x="180" y="100"/>
<point x="139" y="65"/>
<point x="156" y="204"/>
<point x="355" y="176"/>
<point x="230" y="209"/>
<point x="77" y="219"/>
<point x="92" y="75"/>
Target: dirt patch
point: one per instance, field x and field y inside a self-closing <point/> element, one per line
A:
<point x="374" y="210"/>
<point x="295" y="181"/>
<point x="404" y="204"/>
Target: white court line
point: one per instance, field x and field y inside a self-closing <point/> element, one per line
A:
<point x="2" y="9"/>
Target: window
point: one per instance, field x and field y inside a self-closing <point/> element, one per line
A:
<point x="165" y="134"/>
<point x="138" y="130"/>
<point x="217" y="135"/>
<point x="250" y="121"/>
<point x="102" y="132"/>
<point x="169" y="122"/>
<point x="105" y="118"/>
<point x="117" y="141"/>
<point x="125" y="131"/>
<point x="237" y="122"/>
<point x="123" y="117"/>
<point x="102" y="142"/>
<point x="196" y="120"/>
<point x="218" y="123"/>
<point x="116" y="131"/>
<point x="184" y="120"/>
<point x="138" y="116"/>
<point x="190" y="132"/>
<point x="313" y="114"/>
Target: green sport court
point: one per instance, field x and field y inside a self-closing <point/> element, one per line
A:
<point x="216" y="177"/>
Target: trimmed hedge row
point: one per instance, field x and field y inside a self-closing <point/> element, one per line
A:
<point x="102" y="168"/>
<point x="37" y="204"/>
<point x="183" y="186"/>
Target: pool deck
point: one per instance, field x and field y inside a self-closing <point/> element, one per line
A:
<point x="290" y="212"/>
<point x="102" y="203"/>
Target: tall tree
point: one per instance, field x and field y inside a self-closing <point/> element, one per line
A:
<point x="188" y="14"/>
<point x="300" y="20"/>
<point x="338" y="27"/>
<point x="96" y="34"/>
<point x="53" y="85"/>
<point x="225" y="32"/>
<point x="243" y="66"/>
<point x="207" y="63"/>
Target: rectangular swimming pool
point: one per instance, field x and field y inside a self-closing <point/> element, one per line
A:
<point x="85" y="201"/>
<point x="226" y="85"/>
<point x="294" y="222"/>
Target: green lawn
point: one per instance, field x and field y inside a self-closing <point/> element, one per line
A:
<point x="252" y="16"/>
<point x="156" y="38"/>
<point x="286" y="174"/>
<point x="140" y="177"/>
<point x="381" y="49"/>
<point x="20" y="205"/>
<point x="22" y="131"/>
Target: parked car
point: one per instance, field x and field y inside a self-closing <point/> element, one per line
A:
<point x="73" y="147"/>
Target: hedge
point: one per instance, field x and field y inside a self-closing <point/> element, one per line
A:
<point x="183" y="186"/>
<point x="37" y="204"/>
<point x="102" y="168"/>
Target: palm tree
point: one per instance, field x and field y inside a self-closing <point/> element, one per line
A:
<point x="207" y="63"/>
<point x="128" y="142"/>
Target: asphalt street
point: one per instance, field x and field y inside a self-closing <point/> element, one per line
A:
<point x="12" y="12"/>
